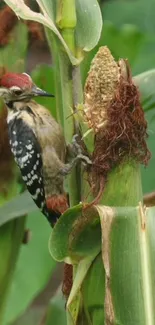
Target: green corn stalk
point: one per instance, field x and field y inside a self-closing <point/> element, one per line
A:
<point x="109" y="244"/>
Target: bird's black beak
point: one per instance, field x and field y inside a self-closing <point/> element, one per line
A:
<point x="39" y="92"/>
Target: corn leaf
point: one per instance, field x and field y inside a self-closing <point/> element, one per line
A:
<point x="34" y="268"/>
<point x="19" y="206"/>
<point x="127" y="250"/>
<point x="56" y="310"/>
<point x="89" y="24"/>
<point x="80" y="236"/>
<point x="145" y="81"/>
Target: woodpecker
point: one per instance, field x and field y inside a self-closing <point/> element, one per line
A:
<point x="38" y="144"/>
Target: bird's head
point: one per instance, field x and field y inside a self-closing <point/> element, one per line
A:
<point x="19" y="87"/>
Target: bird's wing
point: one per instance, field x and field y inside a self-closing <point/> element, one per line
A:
<point x="27" y="154"/>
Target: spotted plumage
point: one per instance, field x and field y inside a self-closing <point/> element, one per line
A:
<point x="27" y="154"/>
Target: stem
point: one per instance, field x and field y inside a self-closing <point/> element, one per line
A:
<point x="68" y="83"/>
<point x="77" y="86"/>
<point x="146" y="269"/>
<point x="68" y="36"/>
<point x="65" y="70"/>
<point x="68" y="94"/>
<point x="66" y="21"/>
<point x="124" y="186"/>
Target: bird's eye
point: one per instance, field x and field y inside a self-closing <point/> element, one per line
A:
<point x="17" y="92"/>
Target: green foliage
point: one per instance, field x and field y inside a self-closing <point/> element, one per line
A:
<point x="10" y="240"/>
<point x="136" y="15"/>
<point x="129" y="268"/>
<point x="33" y="270"/>
<point x="145" y="82"/>
<point x="125" y="231"/>
<point x="13" y="55"/>
<point x="69" y="247"/>
<point x="148" y="176"/>
<point x="56" y="314"/>
<point x="43" y="77"/>
<point x="17" y="207"/>
<point x="89" y="24"/>
<point x="92" y="283"/>
<point x="136" y="12"/>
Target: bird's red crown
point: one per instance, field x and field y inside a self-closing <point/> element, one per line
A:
<point x="21" y="80"/>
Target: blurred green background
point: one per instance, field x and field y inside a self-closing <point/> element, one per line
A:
<point x="129" y="32"/>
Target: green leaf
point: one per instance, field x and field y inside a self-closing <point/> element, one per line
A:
<point x="10" y="241"/>
<point x="94" y="282"/>
<point x="145" y="82"/>
<point x="76" y="235"/>
<point x="56" y="314"/>
<point x="74" y="301"/>
<point x="150" y="226"/>
<point x="19" y="206"/>
<point x="49" y="7"/>
<point x="32" y="316"/>
<point x="148" y="175"/>
<point x="58" y="244"/>
<point x="33" y="270"/>
<point x="89" y="24"/>
<point x="128" y="263"/>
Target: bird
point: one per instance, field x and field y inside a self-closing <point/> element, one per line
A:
<point x="38" y="144"/>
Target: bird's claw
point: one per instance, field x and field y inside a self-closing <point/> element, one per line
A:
<point x="78" y="151"/>
<point x="84" y="159"/>
<point x="76" y="148"/>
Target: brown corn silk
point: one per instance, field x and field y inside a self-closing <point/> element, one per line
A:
<point x="112" y="109"/>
